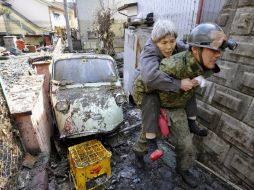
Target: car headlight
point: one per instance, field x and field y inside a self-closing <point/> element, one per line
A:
<point x="120" y="98"/>
<point x="62" y="106"/>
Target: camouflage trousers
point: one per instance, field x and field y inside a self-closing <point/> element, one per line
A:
<point x="179" y="136"/>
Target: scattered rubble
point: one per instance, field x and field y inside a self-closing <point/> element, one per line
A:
<point x="29" y="160"/>
<point x="10" y="149"/>
<point x="52" y="172"/>
<point x="19" y="79"/>
<point x="35" y="178"/>
<point x="125" y="175"/>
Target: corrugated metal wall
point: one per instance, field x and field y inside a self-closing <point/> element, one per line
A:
<point x="211" y="10"/>
<point x="182" y="12"/>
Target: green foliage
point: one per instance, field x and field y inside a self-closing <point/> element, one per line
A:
<point x="5" y="11"/>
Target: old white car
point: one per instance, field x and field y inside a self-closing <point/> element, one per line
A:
<point x="86" y="94"/>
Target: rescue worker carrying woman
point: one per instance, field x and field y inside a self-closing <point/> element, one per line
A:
<point x="162" y="44"/>
<point x="205" y="44"/>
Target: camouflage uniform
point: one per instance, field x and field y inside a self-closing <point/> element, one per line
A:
<point x="180" y="66"/>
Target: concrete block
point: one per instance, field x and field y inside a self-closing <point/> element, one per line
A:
<point x="227" y="100"/>
<point x="244" y="49"/>
<point x="205" y="93"/>
<point x="238" y="56"/>
<point x="208" y="115"/>
<point x="243" y="21"/>
<point x="226" y="75"/>
<point x="42" y="68"/>
<point x="237" y="133"/>
<point x="23" y="93"/>
<point x="36" y="128"/>
<point x="27" y="133"/>
<point x="28" y="104"/>
<point x="222" y="19"/>
<point x="244" y="3"/>
<point x="200" y="92"/>
<point x="42" y="121"/>
<point x="249" y="118"/>
<point x="243" y="53"/>
<point x="241" y="165"/>
<point x="231" y="101"/>
<point x="243" y="80"/>
<point x="10" y="42"/>
<point x="214" y="149"/>
<point x="232" y="4"/>
<point x="226" y="18"/>
<point x="248" y="79"/>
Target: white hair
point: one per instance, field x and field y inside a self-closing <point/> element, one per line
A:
<point x="162" y="28"/>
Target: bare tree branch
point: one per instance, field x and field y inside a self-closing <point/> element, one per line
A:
<point x="103" y="23"/>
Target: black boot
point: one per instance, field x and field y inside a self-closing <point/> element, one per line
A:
<point x="151" y="145"/>
<point x="188" y="178"/>
<point x="195" y="129"/>
<point x="139" y="160"/>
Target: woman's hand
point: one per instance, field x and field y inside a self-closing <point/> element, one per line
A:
<point x="195" y="82"/>
<point x="187" y="84"/>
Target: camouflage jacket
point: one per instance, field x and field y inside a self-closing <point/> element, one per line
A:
<point x="180" y="66"/>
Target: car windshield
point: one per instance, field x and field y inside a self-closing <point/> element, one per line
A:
<point x="85" y="70"/>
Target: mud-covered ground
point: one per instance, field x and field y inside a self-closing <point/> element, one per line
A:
<point x="125" y="175"/>
<point x="52" y="172"/>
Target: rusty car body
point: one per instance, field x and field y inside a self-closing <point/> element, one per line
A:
<point x="86" y="94"/>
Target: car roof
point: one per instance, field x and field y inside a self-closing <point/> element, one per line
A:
<point x="65" y="56"/>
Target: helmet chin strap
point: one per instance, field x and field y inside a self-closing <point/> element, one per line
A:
<point x="200" y="50"/>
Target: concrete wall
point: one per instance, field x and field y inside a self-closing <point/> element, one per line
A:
<point x="28" y="103"/>
<point x="60" y="22"/>
<point x="2" y="24"/>
<point x="33" y="40"/>
<point x="226" y="105"/>
<point x="57" y="21"/>
<point x="34" y="10"/>
<point x="36" y="128"/>
<point x="42" y="68"/>
<point x="16" y="24"/>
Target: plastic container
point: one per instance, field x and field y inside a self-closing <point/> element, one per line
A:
<point x="89" y="161"/>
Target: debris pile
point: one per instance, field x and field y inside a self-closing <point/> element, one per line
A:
<point x="13" y="72"/>
<point x="159" y="175"/>
<point x="10" y="149"/>
<point x="4" y="54"/>
<point x="34" y="174"/>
